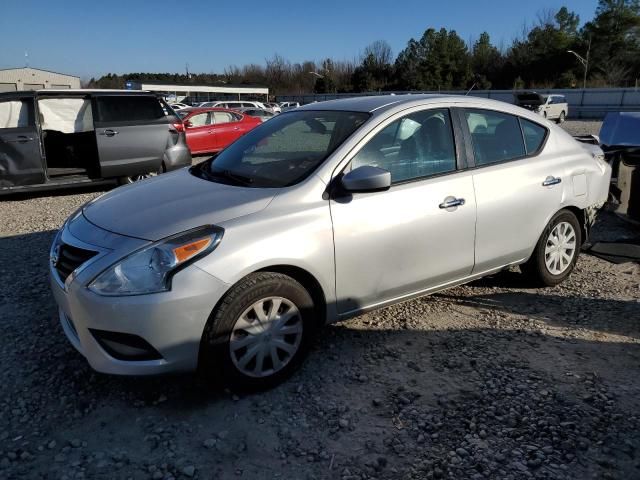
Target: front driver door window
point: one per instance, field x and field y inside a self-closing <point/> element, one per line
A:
<point x="226" y="128"/>
<point x="200" y="137"/>
<point x="415" y="146"/>
<point x="397" y="242"/>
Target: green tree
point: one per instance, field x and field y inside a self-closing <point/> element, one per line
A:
<point x="541" y="58"/>
<point x="486" y="62"/>
<point x="614" y="34"/>
<point x="438" y="61"/>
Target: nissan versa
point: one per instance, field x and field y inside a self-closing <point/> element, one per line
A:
<point x="319" y="214"/>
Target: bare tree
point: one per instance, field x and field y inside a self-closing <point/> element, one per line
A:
<point x="381" y="52"/>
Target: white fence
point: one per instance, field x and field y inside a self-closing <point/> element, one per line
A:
<point x="593" y="103"/>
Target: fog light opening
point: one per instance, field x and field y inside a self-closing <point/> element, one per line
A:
<point x="125" y="346"/>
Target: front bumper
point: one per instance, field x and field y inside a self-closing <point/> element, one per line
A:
<point x="171" y="322"/>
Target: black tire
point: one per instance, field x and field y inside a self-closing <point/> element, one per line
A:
<point x="215" y="355"/>
<point x="536" y="268"/>
<point x="561" y="118"/>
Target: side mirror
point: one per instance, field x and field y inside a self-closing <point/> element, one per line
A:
<point x="188" y="124"/>
<point x="366" y="179"/>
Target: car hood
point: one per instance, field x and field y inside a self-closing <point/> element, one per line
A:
<point x="172" y="203"/>
<point x="621" y="129"/>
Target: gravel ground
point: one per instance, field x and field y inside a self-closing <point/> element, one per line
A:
<point x="489" y="380"/>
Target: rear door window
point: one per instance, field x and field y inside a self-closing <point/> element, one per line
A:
<point x="496" y="136"/>
<point x="128" y="108"/>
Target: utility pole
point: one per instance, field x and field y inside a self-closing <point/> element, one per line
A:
<point x="584" y="62"/>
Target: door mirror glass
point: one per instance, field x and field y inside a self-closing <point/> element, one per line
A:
<point x="367" y="179"/>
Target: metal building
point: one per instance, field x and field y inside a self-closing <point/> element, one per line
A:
<point x="201" y="93"/>
<point x="12" y="79"/>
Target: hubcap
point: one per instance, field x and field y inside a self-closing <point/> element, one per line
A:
<point x="560" y="248"/>
<point x="266" y="337"/>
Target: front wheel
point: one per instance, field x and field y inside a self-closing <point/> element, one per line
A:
<point x="556" y="252"/>
<point x="260" y="333"/>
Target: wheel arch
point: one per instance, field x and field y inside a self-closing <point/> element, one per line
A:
<point x="308" y="281"/>
<point x="302" y="276"/>
<point x="582" y="220"/>
<point x="580" y="215"/>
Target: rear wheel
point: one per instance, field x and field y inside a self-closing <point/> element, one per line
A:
<point x="561" y="118"/>
<point x="556" y="252"/>
<point x="260" y="333"/>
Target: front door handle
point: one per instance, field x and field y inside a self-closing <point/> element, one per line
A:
<point x="21" y="139"/>
<point x="551" y="180"/>
<point x="451" y="202"/>
<point x="109" y="133"/>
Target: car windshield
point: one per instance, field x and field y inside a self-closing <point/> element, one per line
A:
<point x="282" y="151"/>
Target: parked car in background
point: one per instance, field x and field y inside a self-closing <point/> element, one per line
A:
<point x="212" y="129"/>
<point x="179" y="106"/>
<point x="56" y="138"/>
<point x="233" y="104"/>
<point x="319" y="214"/>
<point x="551" y="107"/>
<point x="284" y="106"/>
<point x="263" y="115"/>
<point x="273" y="107"/>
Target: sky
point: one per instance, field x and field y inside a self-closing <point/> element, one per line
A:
<point x="90" y="38"/>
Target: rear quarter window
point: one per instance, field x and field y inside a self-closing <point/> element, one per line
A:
<point x="534" y="135"/>
<point x="128" y="108"/>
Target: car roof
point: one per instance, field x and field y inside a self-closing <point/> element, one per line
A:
<point x="376" y="103"/>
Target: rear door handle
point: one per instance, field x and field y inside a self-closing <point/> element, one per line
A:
<point x="109" y="133"/>
<point x="21" y="139"/>
<point x="451" y="202"/>
<point x="550" y="180"/>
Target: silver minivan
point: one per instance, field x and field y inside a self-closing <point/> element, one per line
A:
<point x="58" y="138"/>
<point x="319" y="214"/>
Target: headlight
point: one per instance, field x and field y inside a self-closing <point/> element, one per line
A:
<point x="150" y="269"/>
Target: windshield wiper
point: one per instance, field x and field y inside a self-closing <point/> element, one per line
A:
<point x="229" y="175"/>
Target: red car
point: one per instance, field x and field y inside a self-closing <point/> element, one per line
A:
<point x="212" y="129"/>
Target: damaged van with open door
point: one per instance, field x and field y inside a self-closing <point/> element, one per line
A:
<point x="57" y="138"/>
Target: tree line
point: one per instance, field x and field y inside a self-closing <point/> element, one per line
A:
<point x="441" y="60"/>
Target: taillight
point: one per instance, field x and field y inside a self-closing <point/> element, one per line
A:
<point x="179" y="126"/>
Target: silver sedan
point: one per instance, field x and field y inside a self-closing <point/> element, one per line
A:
<point x="317" y="215"/>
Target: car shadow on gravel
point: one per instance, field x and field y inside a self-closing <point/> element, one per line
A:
<point x="371" y="400"/>
<point x="621" y="317"/>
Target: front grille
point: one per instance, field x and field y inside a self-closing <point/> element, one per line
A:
<point x="70" y="258"/>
